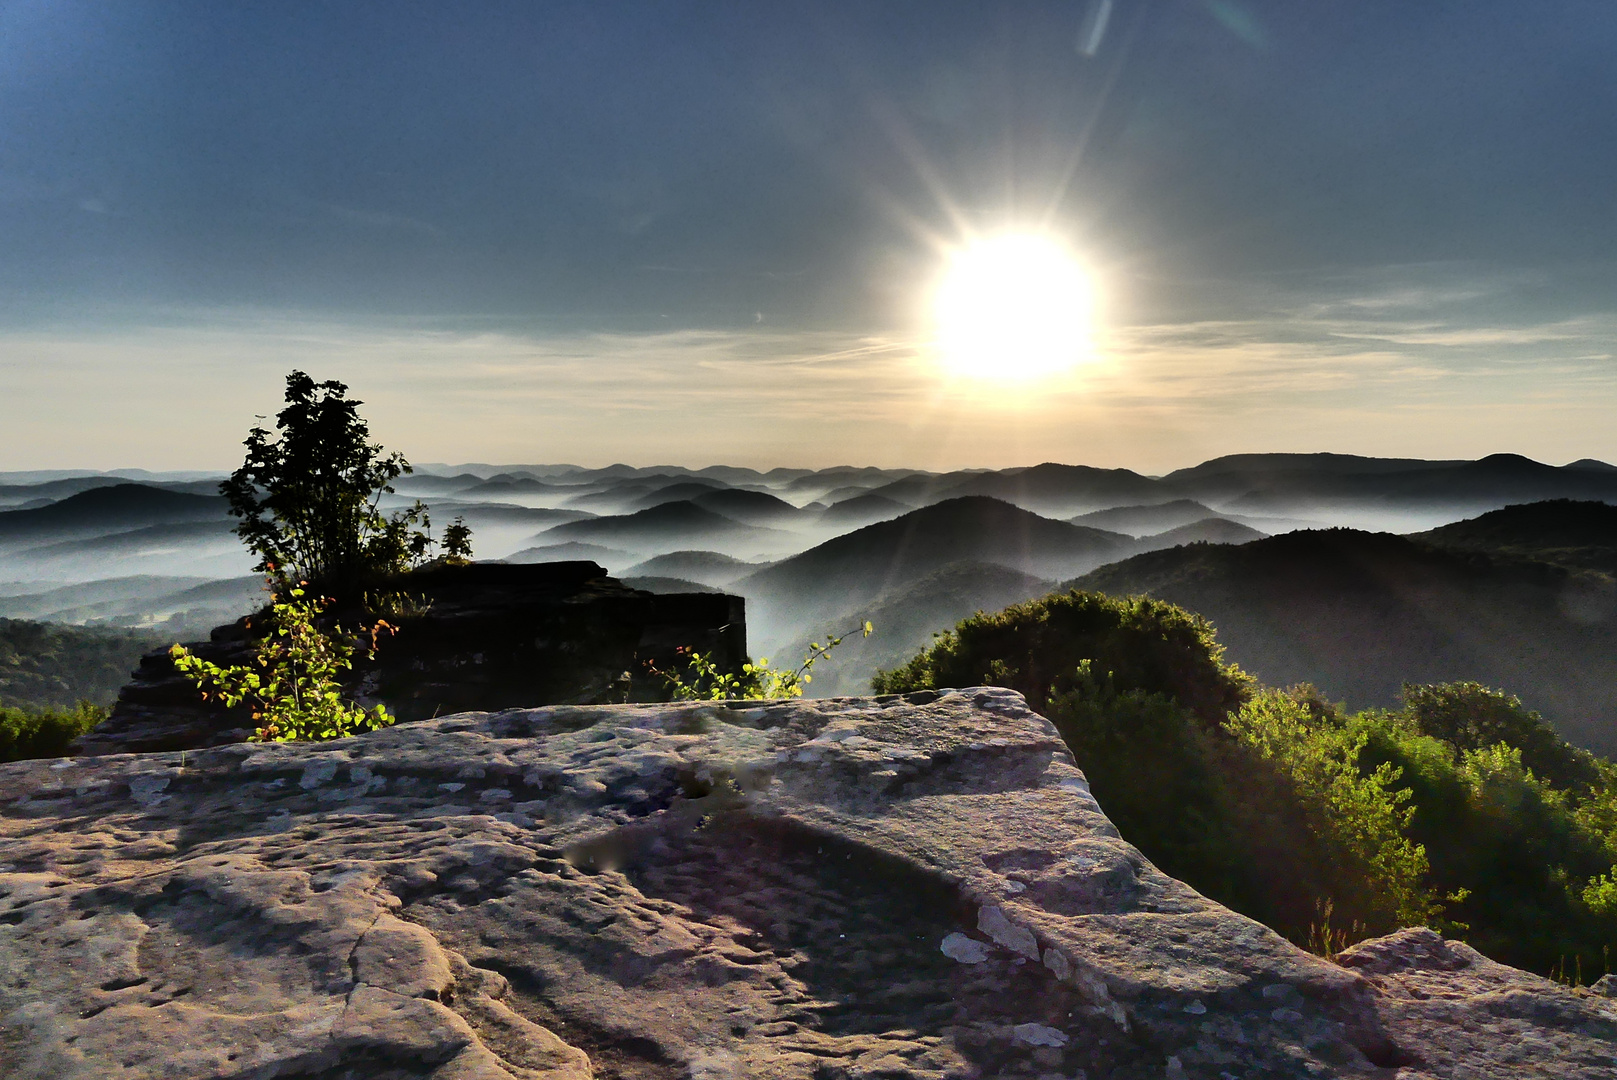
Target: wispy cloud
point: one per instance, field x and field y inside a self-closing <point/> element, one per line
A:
<point x="181" y="392"/>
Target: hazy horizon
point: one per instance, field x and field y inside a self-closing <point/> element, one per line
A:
<point x="138" y="472"/>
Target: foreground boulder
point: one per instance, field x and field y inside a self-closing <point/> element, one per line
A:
<point x="893" y="887"/>
<point x="483" y="636"/>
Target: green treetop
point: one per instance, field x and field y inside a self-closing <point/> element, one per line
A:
<point x="308" y="499"/>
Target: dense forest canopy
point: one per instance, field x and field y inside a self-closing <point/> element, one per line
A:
<point x="54" y="665"/>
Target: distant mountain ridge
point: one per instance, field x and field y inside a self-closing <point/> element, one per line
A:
<point x="773" y="515"/>
<point x="705" y="567"/>
<point x="846" y="573"/>
<point x="1566" y="531"/>
<point x="1146" y="519"/>
<point x="1496" y="478"/>
<point x="1360" y="613"/>
<point x="1212" y="530"/>
<point x="906" y="617"/>
<point x="680" y="522"/>
<point x="109" y="507"/>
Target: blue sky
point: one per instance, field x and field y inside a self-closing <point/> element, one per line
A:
<point x="706" y="232"/>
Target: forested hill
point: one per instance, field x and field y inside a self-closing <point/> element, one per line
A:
<point x="1359" y="614"/>
<point x="1566" y="531"/>
<point x="53" y="665"/>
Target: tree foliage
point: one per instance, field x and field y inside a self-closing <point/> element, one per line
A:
<point x="308" y="499"/>
<point x="1463" y="809"/>
<point x="292" y="684"/>
<point x="55" y="666"/>
<point x="1521" y="849"/>
<point x="1362" y="816"/>
<point x="1035" y="647"/>
<point x="1470" y="716"/>
<point x="704" y="680"/>
<point x="42" y="733"/>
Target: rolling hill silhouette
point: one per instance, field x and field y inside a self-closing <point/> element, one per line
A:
<point x="109" y="509"/>
<point x="52" y="490"/>
<point x="850" y="571"/>
<point x="495" y="487"/>
<point x="1063" y="488"/>
<point x="863" y="510"/>
<point x="906" y="617"/>
<point x="674" y="525"/>
<point x="704" y="567"/>
<point x="1047" y="488"/>
<point x="1496" y="479"/>
<point x="1358" y="614"/>
<point x="749" y="507"/>
<point x="573" y="551"/>
<point x="489" y="514"/>
<point x="434" y="484"/>
<point x="130" y="541"/>
<point x="180" y="604"/>
<point x="664" y="586"/>
<point x="631" y="493"/>
<point x="118" y="592"/>
<point x="685" y="490"/>
<point x="840" y="476"/>
<point x="1565" y="531"/>
<point x="1212" y="530"/>
<point x="1147" y="519"/>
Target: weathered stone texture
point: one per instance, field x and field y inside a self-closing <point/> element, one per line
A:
<point x="890" y="887"/>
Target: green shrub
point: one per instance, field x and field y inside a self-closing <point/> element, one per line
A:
<point x="1463" y="809"/>
<point x="1144" y="644"/>
<point x="1359" y="816"/>
<point x="1520" y="850"/>
<point x="291" y="685"/>
<point x="44" y="733"/>
<point x="1268" y="814"/>
<point x="1470" y="716"/>
<point x="1144" y="753"/>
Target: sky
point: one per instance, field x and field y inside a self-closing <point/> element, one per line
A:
<point x="701" y="233"/>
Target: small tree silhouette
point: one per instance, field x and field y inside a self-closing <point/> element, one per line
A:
<point x="308" y="499"/>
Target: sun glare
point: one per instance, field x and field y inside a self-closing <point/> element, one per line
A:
<point x="1014" y="307"/>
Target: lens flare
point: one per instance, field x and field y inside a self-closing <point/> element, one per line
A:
<point x="1014" y="307"/>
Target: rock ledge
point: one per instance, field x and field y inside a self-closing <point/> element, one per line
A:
<point x="915" y="886"/>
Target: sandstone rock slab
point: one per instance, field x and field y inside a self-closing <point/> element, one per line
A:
<point x="916" y="886"/>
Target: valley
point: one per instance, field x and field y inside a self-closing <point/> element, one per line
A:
<point x="1356" y="574"/>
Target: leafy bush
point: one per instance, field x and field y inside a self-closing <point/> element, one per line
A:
<point x="1035" y="647"/>
<point x="292" y="683"/>
<point x="1143" y="752"/>
<point x="308" y="500"/>
<point x="1469" y="716"/>
<point x="1520" y="850"/>
<point x="1267" y="814"/>
<point x="1361" y="816"/>
<point x="1463" y="809"/>
<point x="704" y="680"/>
<point x="44" y="733"/>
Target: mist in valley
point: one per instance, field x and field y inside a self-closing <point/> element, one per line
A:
<point x="815" y="553"/>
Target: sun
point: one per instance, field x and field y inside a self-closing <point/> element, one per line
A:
<point x="1014" y="307"/>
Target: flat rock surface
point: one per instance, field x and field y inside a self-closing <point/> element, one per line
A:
<point x="892" y="887"/>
